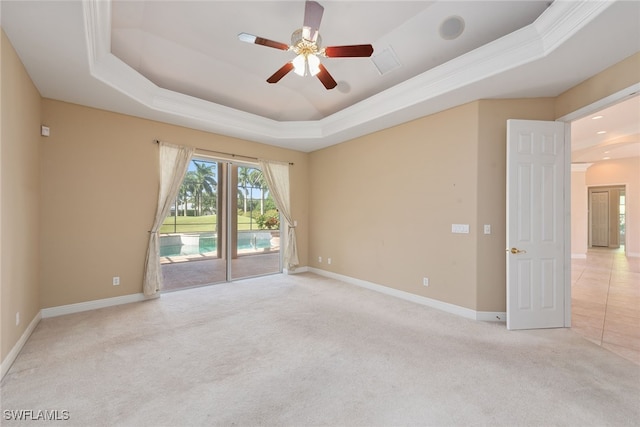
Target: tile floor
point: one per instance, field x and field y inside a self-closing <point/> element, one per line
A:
<point x="605" y="290"/>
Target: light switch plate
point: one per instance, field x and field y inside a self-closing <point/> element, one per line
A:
<point x="460" y="228"/>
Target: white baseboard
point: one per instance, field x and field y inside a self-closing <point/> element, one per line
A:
<point x="440" y="305"/>
<point x="92" y="305"/>
<point x="633" y="254"/>
<point x="11" y="357"/>
<point x="491" y="316"/>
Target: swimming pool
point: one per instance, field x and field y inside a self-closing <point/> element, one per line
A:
<point x="194" y="244"/>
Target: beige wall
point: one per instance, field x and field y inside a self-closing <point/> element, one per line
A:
<point x="621" y="172"/>
<point x="382" y="205"/>
<point x="99" y="189"/>
<point x="20" y="144"/>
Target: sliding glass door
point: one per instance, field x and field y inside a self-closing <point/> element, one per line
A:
<point x="256" y="232"/>
<point x="223" y="227"/>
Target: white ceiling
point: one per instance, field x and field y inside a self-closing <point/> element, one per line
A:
<point x="611" y="133"/>
<point x="181" y="62"/>
<point x="192" y="47"/>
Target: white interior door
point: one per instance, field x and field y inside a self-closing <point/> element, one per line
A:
<point x="536" y="251"/>
<point x="600" y="218"/>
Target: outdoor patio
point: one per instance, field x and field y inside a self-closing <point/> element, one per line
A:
<point x="181" y="272"/>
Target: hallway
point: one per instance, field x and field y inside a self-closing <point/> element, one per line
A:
<point x="605" y="289"/>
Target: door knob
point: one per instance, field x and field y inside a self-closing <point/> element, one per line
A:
<point x="516" y="251"/>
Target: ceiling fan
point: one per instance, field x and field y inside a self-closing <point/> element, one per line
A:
<point x="306" y="43"/>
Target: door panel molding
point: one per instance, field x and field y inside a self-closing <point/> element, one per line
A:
<point x="538" y="224"/>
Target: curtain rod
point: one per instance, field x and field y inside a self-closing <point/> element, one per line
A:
<point x="157" y="141"/>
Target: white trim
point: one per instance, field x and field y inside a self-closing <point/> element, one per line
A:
<point x="13" y="354"/>
<point x="602" y="103"/>
<point x="407" y="296"/>
<point x="93" y="305"/>
<point x="578" y="256"/>
<point x="580" y="167"/>
<point x="401" y="103"/>
<point x="633" y="254"/>
<point x="567" y="224"/>
<point x="491" y="316"/>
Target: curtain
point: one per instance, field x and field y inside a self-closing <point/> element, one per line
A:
<point x="276" y="174"/>
<point x="174" y="161"/>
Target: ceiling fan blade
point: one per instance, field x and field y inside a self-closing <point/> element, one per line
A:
<point x="250" y="38"/>
<point x="326" y="78"/>
<point x="312" y="17"/>
<point x="283" y="71"/>
<point x="358" y="50"/>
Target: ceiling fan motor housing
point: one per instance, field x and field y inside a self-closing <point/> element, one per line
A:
<point x="303" y="46"/>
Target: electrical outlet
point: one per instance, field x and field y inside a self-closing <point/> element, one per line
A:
<point x="320" y="259"/>
<point x="17" y="318"/>
<point x="116" y="280"/>
<point x="487" y="229"/>
<point x="425" y="281"/>
<point x="328" y="260"/>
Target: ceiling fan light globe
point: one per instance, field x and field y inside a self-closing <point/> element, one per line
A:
<point x="314" y="64"/>
<point x="299" y="65"/>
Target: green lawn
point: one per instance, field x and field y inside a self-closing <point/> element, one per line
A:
<point x="199" y="224"/>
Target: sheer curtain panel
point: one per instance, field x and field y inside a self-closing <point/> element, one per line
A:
<point x="276" y="174"/>
<point x="174" y="161"/>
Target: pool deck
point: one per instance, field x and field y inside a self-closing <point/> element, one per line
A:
<point x="187" y="271"/>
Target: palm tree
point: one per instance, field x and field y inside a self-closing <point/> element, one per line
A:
<point x="257" y="180"/>
<point x="204" y="182"/>
<point x="187" y="190"/>
<point x="244" y="182"/>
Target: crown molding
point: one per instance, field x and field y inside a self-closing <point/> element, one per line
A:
<point x="393" y="106"/>
<point x="580" y="167"/>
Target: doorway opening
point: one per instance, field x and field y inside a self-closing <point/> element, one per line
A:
<point x="223" y="226"/>
<point x="607" y="216"/>
<point x="584" y="157"/>
<point x="605" y="264"/>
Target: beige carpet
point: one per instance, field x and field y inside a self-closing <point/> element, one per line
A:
<point x="305" y="350"/>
